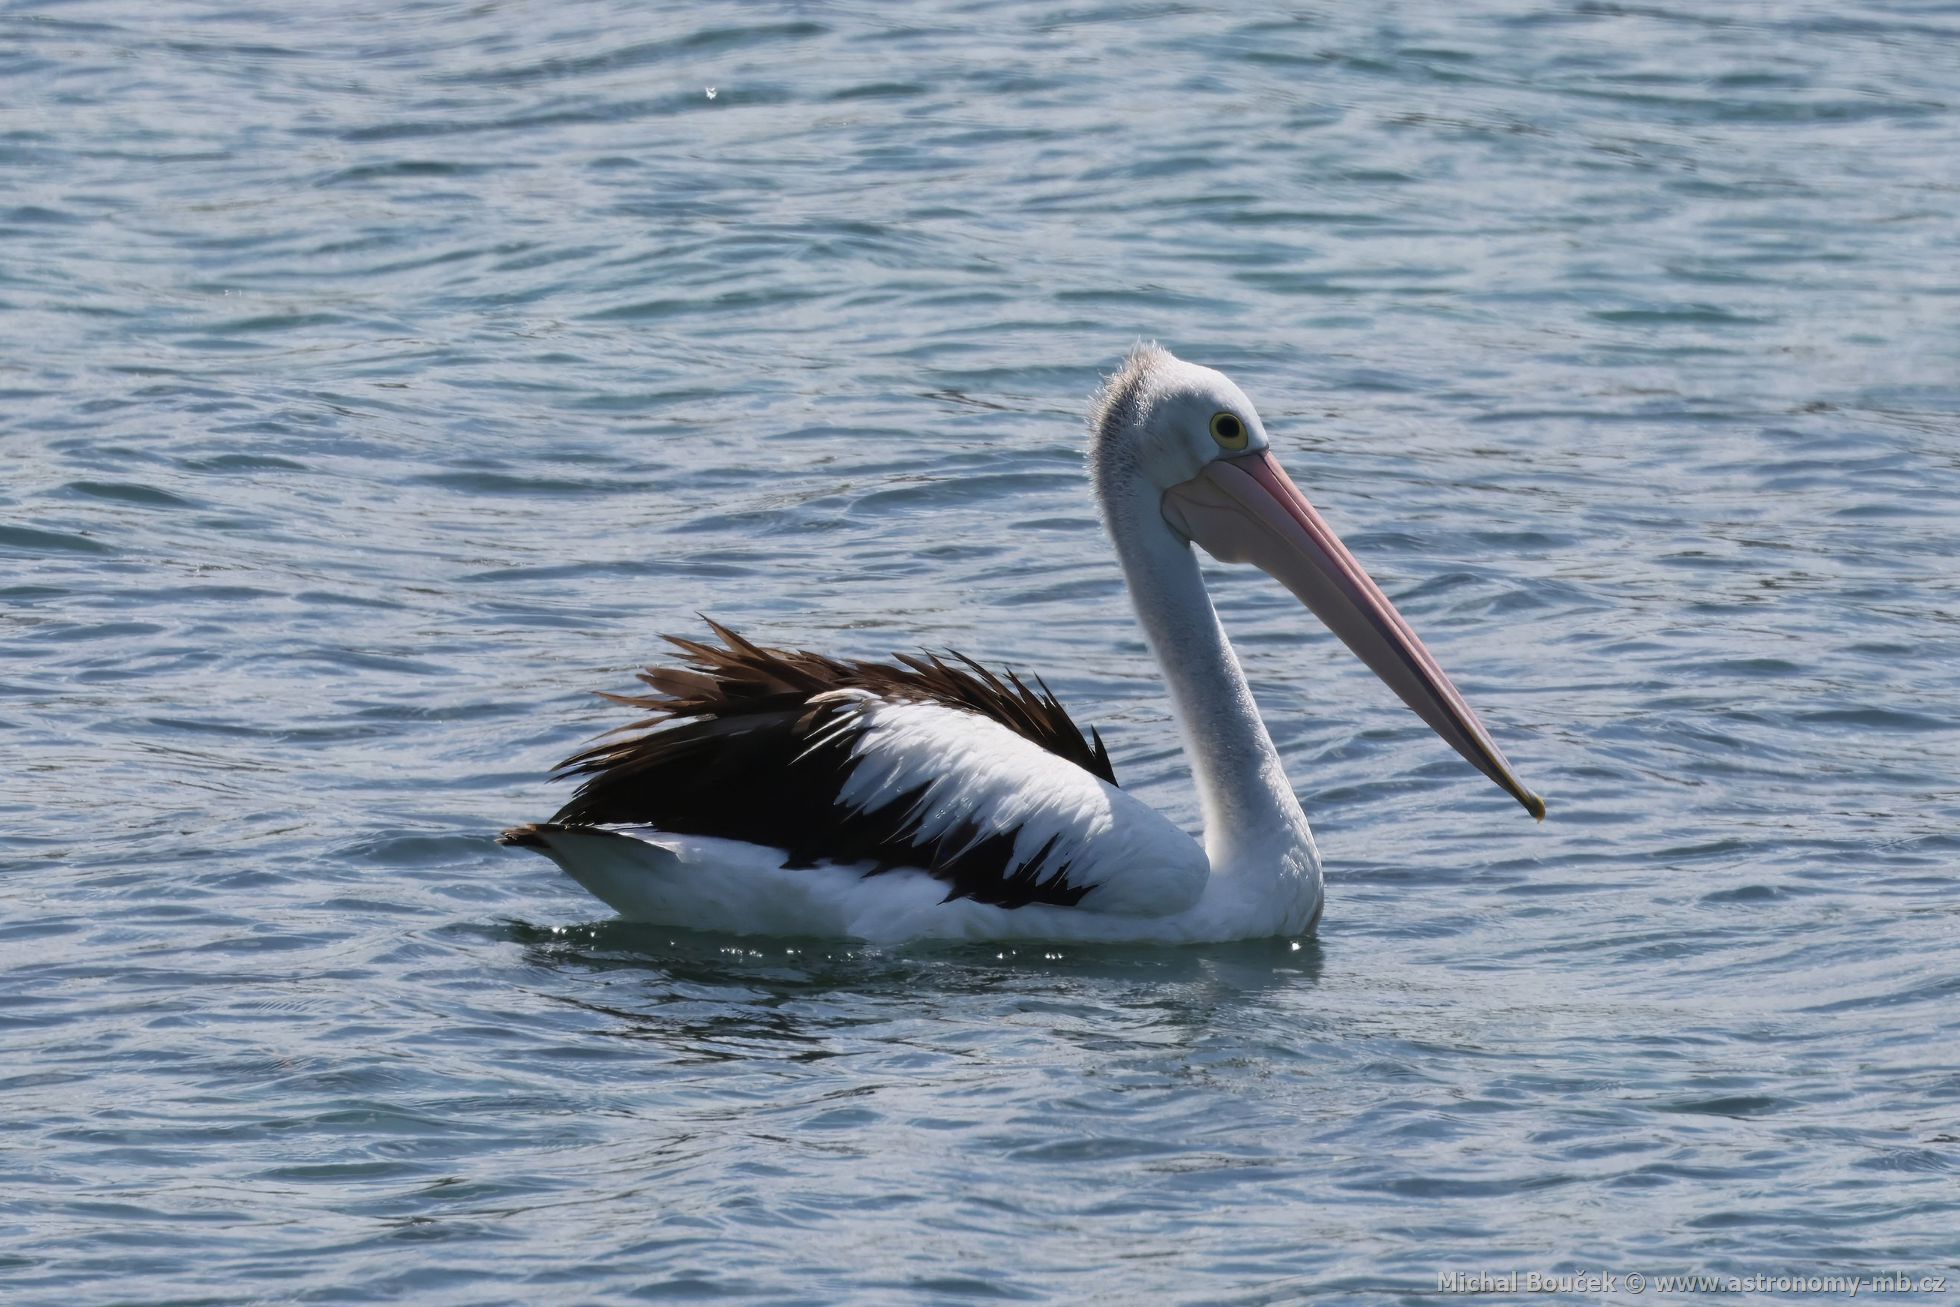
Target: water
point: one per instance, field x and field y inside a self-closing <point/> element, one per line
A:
<point x="379" y="380"/>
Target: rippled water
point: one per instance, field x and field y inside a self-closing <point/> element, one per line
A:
<point x="378" y="380"/>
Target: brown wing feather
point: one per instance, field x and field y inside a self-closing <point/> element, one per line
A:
<point x="739" y="677"/>
<point x="741" y="741"/>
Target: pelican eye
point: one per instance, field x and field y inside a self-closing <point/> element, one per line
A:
<point x="1229" y="431"/>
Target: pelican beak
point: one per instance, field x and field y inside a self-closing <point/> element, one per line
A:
<point x="1247" y="510"/>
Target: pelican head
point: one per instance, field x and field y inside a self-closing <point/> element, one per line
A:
<point x="1183" y="445"/>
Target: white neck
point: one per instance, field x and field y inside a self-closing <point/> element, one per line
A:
<point x="1253" y="824"/>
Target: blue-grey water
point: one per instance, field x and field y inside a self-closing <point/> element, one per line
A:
<point x="378" y="380"/>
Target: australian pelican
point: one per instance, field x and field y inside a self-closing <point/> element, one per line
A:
<point x="787" y="793"/>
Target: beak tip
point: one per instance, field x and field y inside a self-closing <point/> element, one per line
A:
<point x="1534" y="805"/>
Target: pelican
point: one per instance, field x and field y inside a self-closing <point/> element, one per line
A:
<point x="780" y="792"/>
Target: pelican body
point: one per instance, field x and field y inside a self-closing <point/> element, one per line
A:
<point x="779" y="792"/>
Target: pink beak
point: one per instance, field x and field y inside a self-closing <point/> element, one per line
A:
<point x="1246" y="509"/>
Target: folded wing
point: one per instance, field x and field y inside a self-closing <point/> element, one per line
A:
<point x="924" y="764"/>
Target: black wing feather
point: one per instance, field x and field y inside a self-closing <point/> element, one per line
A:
<point x="752" y="743"/>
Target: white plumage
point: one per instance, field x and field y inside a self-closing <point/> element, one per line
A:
<point x="785" y="793"/>
<point x="979" y="774"/>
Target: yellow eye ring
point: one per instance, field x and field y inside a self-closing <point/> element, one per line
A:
<point x="1229" y="431"/>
